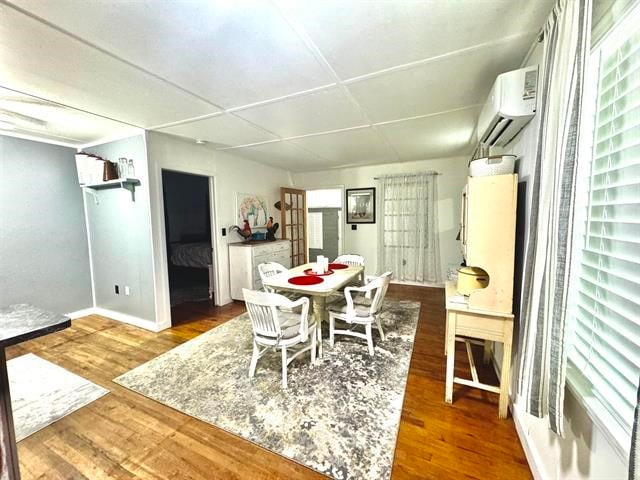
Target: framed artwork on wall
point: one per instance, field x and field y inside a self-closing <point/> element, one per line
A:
<point x="252" y="208"/>
<point x="361" y="205"/>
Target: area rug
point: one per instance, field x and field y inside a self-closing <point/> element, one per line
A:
<point x="339" y="417"/>
<point x="42" y="393"/>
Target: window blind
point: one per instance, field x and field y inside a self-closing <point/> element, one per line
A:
<point x="605" y="305"/>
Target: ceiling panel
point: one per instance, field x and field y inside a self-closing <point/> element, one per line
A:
<point x="438" y="136"/>
<point x="44" y="62"/>
<point x="22" y="114"/>
<point x="282" y="154"/>
<point x="351" y="147"/>
<point x="229" y="52"/>
<point x="453" y="82"/>
<point x="381" y="34"/>
<point x="320" y="111"/>
<point x="223" y="130"/>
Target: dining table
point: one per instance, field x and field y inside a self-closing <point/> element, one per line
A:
<point x="18" y="323"/>
<point x="318" y="287"/>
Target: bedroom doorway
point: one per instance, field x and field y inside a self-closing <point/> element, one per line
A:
<point x="187" y="218"/>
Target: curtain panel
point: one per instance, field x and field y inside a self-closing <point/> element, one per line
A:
<point x="542" y="369"/>
<point x="408" y="227"/>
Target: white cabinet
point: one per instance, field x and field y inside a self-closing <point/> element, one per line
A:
<point x="244" y="259"/>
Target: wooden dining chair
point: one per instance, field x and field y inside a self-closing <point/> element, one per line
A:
<point x="277" y="326"/>
<point x="269" y="269"/>
<point x="360" y="306"/>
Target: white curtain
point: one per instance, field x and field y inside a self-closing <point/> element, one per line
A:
<point x="408" y="227"/>
<point x="542" y="371"/>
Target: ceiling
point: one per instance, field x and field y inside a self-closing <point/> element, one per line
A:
<point x="298" y="85"/>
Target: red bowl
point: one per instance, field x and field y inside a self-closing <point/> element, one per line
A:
<point x="309" y="271"/>
<point x="337" y="266"/>
<point x="306" y="280"/>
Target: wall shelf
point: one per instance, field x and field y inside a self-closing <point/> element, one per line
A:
<point x="126" y="183"/>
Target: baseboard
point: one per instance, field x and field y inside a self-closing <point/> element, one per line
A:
<point x="130" y="319"/>
<point x="533" y="457"/>
<point x="80" y="313"/>
<point x="419" y="284"/>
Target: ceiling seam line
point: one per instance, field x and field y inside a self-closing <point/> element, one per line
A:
<point x="428" y="60"/>
<point x="108" y="53"/>
<point x="72" y="107"/>
<point x="316" y="52"/>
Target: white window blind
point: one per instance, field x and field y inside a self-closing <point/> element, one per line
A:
<point x="604" y="307"/>
<point x="315" y="230"/>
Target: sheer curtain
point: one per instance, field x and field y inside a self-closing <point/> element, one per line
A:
<point x="408" y="227"/>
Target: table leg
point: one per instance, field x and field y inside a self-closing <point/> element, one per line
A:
<point x="451" y="355"/>
<point x="319" y="306"/>
<point x="8" y="447"/>
<point x="505" y="374"/>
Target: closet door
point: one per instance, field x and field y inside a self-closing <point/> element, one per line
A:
<point x="294" y="222"/>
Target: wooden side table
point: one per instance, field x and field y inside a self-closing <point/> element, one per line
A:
<point x="464" y="324"/>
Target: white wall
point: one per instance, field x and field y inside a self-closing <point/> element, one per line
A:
<point x="585" y="453"/>
<point x="232" y="175"/>
<point x="364" y="240"/>
<point x="120" y="239"/>
<point x="44" y="258"/>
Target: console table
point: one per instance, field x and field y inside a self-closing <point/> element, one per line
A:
<point x="18" y="323"/>
<point x="464" y="324"/>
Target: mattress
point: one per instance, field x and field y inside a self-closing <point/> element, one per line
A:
<point x="195" y="255"/>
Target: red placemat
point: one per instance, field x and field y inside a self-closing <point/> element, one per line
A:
<point x="309" y="271"/>
<point x="306" y="280"/>
<point x="337" y="266"/>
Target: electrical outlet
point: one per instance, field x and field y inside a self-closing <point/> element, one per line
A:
<point x="224" y="232"/>
<point x="354" y="227"/>
<point x="127" y="291"/>
<point x="117" y="290"/>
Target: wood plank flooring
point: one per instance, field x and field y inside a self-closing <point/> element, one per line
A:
<point x="125" y="435"/>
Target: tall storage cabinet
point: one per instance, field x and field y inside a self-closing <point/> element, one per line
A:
<point x="244" y="259"/>
<point x="489" y="236"/>
<point x="488" y="242"/>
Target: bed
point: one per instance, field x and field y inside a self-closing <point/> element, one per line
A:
<point x="190" y="254"/>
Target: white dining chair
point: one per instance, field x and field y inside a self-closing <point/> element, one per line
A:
<point x="269" y="269"/>
<point x="350" y="259"/>
<point x="279" y="329"/>
<point x="360" y="306"/>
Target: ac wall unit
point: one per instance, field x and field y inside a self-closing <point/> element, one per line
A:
<point x="509" y="107"/>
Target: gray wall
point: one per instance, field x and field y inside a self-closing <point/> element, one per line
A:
<point x="44" y="258"/>
<point x="120" y="236"/>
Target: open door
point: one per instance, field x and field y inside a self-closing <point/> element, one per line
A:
<point x="294" y="222"/>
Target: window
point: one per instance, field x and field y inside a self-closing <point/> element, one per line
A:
<point x="604" y="306"/>
<point x="315" y="230"/>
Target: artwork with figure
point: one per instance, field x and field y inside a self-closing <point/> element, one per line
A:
<point x="252" y="208"/>
<point x="361" y="205"/>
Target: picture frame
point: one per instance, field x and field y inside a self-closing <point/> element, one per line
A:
<point x="361" y="205"/>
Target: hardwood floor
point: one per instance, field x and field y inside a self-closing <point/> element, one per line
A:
<point x="125" y="435"/>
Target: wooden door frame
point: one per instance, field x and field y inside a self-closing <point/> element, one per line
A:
<point x="283" y="218"/>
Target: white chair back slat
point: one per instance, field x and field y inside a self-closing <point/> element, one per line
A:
<point x="269" y="269"/>
<point x="350" y="259"/>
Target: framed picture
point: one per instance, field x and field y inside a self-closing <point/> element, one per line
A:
<point x="361" y="205"/>
<point x="253" y="208"/>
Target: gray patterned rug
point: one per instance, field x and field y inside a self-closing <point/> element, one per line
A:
<point x="339" y="417"/>
<point x="42" y="393"/>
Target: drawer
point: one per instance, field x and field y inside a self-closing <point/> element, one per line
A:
<point x="271" y="248"/>
<point x="280" y="257"/>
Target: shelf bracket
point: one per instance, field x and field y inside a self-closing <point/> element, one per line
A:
<point x="132" y="189"/>
<point x="92" y="194"/>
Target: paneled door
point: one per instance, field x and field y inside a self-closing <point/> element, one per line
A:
<point x="293" y="212"/>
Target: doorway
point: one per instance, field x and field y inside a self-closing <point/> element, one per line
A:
<point x="325" y="223"/>
<point x="187" y="214"/>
